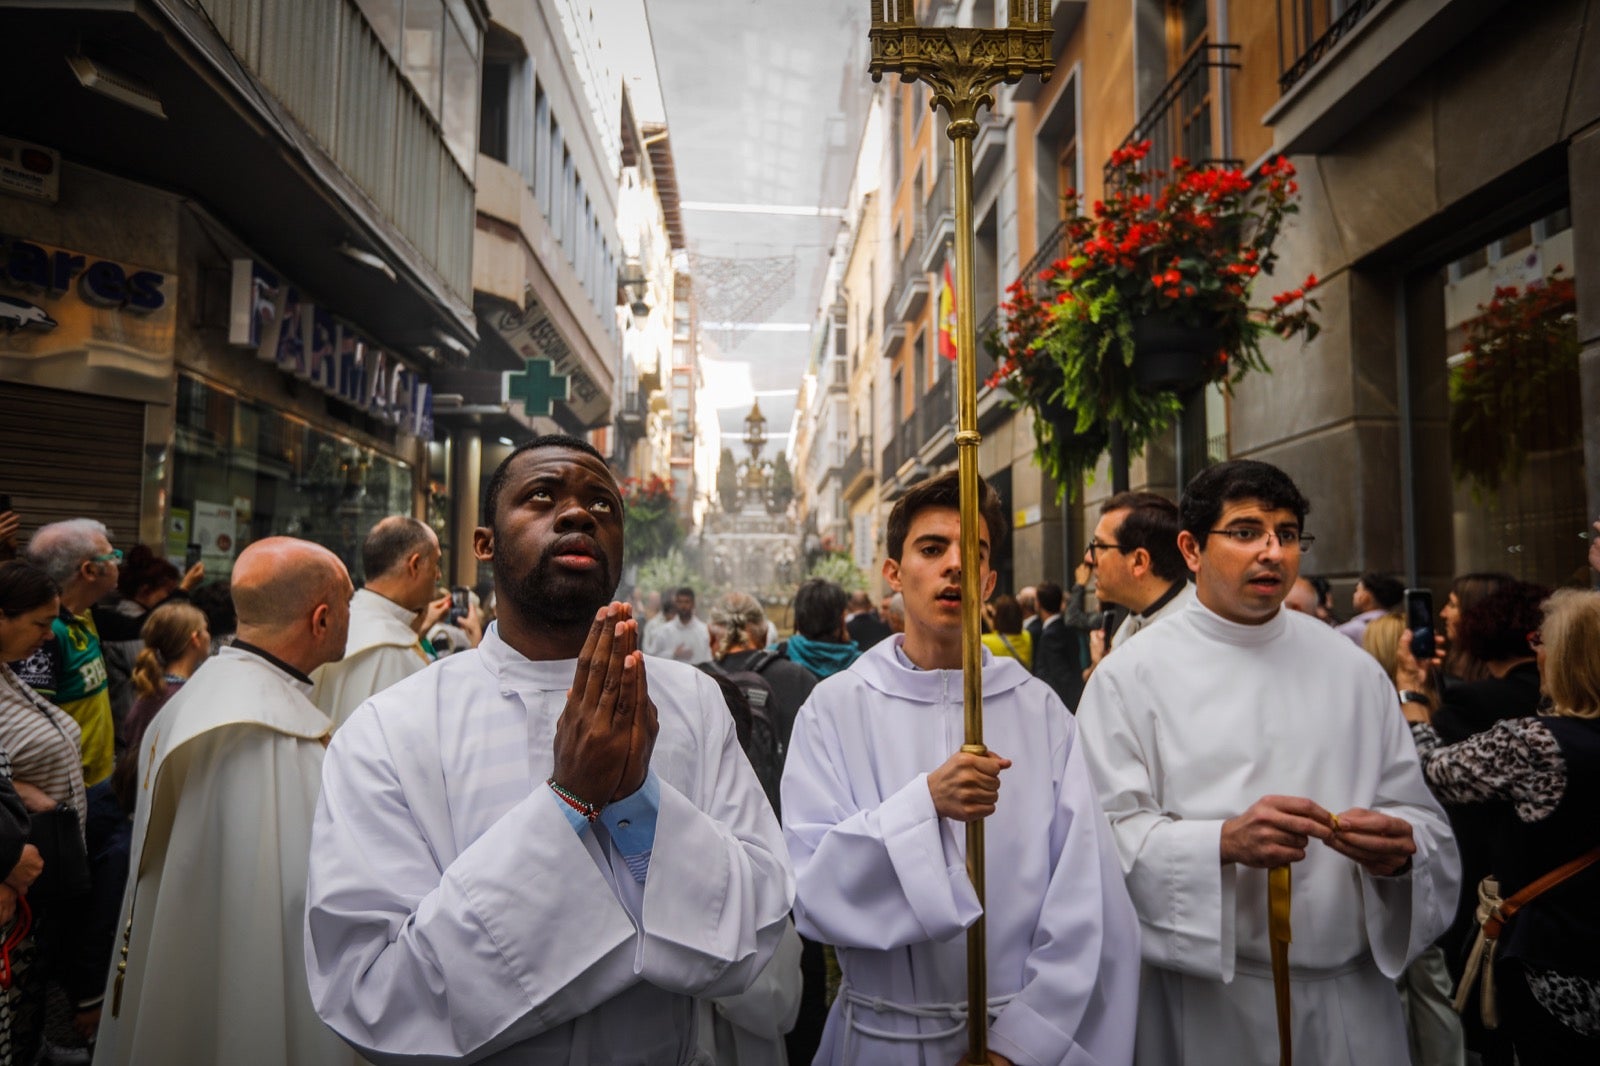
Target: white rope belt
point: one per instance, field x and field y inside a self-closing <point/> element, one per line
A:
<point x="952" y="1012"/>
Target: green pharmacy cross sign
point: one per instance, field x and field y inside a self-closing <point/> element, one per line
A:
<point x="536" y="385"/>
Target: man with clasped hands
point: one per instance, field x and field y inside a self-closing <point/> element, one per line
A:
<point x="539" y="851"/>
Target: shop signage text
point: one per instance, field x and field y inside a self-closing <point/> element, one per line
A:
<point x="308" y="342"/>
<point x="101" y="283"/>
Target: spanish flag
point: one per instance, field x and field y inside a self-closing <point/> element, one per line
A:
<point x="947" y="316"/>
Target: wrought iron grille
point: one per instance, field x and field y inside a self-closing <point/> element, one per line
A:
<point x="1179" y="122"/>
<point x="1307" y="29"/>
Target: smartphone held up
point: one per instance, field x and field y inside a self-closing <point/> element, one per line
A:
<point x="1419" y="620"/>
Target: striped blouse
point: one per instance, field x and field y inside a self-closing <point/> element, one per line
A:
<point x="42" y="741"/>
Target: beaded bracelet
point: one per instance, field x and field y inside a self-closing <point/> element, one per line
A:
<point x="588" y="810"/>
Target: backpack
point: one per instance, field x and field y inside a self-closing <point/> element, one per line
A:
<point x="764" y="748"/>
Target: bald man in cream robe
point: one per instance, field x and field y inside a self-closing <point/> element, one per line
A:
<point x="212" y="918"/>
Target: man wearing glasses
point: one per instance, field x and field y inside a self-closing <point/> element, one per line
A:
<point x="70" y="669"/>
<point x="1220" y="743"/>
<point x="1137" y="565"/>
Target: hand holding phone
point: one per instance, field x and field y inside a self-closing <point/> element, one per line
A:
<point x="1419" y="620"/>
<point x="460" y="604"/>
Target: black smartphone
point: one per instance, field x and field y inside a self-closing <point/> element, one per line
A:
<point x="1419" y="619"/>
<point x="5" y="502"/>
<point x="191" y="557"/>
<point x="460" y="603"/>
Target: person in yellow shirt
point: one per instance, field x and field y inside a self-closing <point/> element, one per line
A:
<point x="1004" y="633"/>
<point x="70" y="670"/>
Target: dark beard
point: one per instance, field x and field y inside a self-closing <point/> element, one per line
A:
<point x="548" y="599"/>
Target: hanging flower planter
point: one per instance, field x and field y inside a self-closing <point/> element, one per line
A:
<point x="1150" y="301"/>
<point x="1167" y="354"/>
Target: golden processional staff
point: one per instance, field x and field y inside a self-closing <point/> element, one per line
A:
<point x="962" y="65"/>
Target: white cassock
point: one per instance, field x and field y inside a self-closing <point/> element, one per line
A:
<point x="1185" y="728"/>
<point x="883" y="878"/>
<point x="748" y="1029"/>
<point x="455" y="913"/>
<point x="228" y="778"/>
<point x="380" y="650"/>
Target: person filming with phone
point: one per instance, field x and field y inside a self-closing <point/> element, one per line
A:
<point x="1494" y="631"/>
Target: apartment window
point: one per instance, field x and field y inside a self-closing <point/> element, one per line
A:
<point x="459" y="116"/>
<point x="919" y="366"/>
<point x="384" y="18"/>
<point x="494" y="116"/>
<point x="541" y="148"/>
<point x="902" y="408"/>
<point x="421" y="55"/>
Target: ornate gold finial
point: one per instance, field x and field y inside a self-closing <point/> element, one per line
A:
<point x="961" y="64"/>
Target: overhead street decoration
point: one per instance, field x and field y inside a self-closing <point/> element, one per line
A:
<point x="537" y="385"/>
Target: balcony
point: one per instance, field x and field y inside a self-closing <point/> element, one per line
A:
<point x="1340" y="61"/>
<point x="939" y="218"/>
<point x="936" y="420"/>
<point x="855" y="476"/>
<point x="911" y="286"/>
<point x="1179" y="123"/>
<point x="989" y="147"/>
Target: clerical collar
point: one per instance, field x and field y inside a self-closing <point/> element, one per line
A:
<point x="1212" y="624"/>
<point x="271" y="658"/>
<point x="1164" y="599"/>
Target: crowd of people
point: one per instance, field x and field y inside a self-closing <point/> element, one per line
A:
<point x="279" y="819"/>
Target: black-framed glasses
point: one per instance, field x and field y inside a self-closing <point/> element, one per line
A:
<point x="1095" y="546"/>
<point x="1254" y="537"/>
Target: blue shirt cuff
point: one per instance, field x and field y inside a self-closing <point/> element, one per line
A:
<point x="579" y="822"/>
<point x="632" y="821"/>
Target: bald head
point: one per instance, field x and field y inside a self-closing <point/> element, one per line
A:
<point x="278" y="582"/>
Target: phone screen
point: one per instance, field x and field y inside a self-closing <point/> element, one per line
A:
<point x="1419" y="619"/>
<point x="460" y="604"/>
<point x="192" y="557"/>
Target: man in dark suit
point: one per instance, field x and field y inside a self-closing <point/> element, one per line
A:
<point x="1058" y="658"/>
<point x="863" y="623"/>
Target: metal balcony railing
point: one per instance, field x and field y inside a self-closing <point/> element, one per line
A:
<point x="941" y="205"/>
<point x="856" y="462"/>
<point x="1307" y="29"/>
<point x="1179" y="122"/>
<point x="908" y="277"/>
<point x="937" y="410"/>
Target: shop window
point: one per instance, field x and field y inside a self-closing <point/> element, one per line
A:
<point x="243" y="471"/>
<point x="1494" y="357"/>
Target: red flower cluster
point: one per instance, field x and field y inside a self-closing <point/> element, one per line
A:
<point x="1188" y="242"/>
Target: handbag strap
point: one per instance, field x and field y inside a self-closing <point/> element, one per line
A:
<point x="19" y="929"/>
<point x="1521" y="898"/>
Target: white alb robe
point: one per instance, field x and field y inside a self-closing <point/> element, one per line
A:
<point x="1185" y="728"/>
<point x="693" y="636"/>
<point x="380" y="650"/>
<point x="883" y="878"/>
<point x="453" y="913"/>
<point x="228" y="777"/>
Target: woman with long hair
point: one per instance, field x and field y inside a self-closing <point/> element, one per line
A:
<point x="1005" y="635"/>
<point x="176" y="641"/>
<point x="1542" y="774"/>
<point x="38" y="756"/>
<point x="1466" y="592"/>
